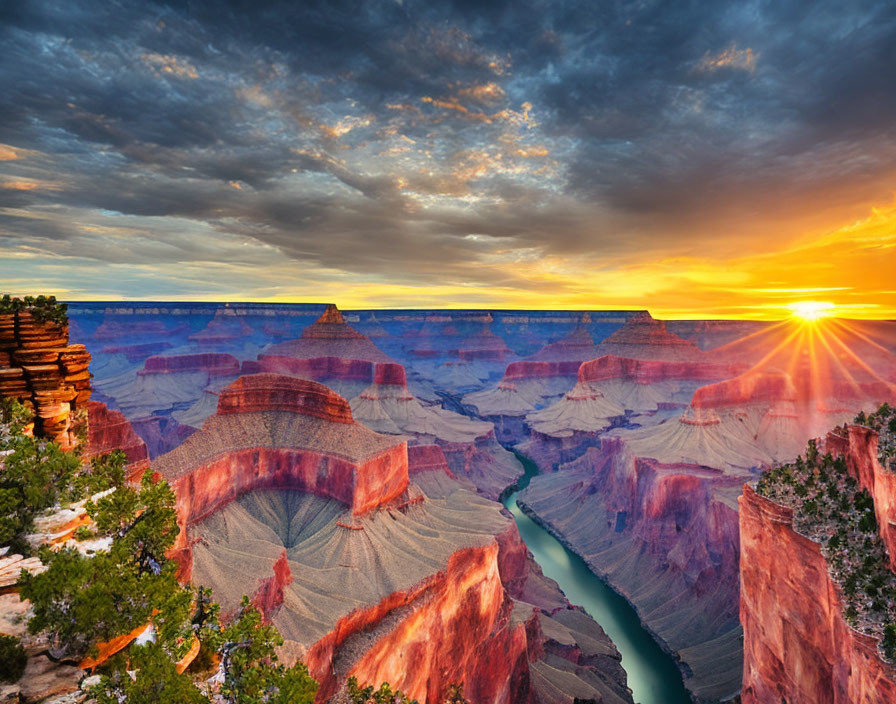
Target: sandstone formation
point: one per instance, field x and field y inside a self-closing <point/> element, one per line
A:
<point x="643" y="384"/>
<point x="484" y="345"/>
<point x="534" y="382"/>
<point x="469" y="446"/>
<point x="278" y="432"/>
<point x="40" y="368"/>
<point x="330" y="351"/>
<point x="109" y="430"/>
<point x="797" y="644"/>
<point x="166" y="383"/>
<point x="643" y="337"/>
<point x="283" y="495"/>
<point x="224" y="328"/>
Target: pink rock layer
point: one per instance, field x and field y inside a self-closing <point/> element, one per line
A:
<point x="319" y="367"/>
<point x="458" y="629"/>
<point x="650" y="371"/>
<point x="239" y="461"/>
<point x="390" y="374"/>
<point x="109" y="430"/>
<point x="767" y="388"/>
<point x="273" y="392"/>
<point x="797" y="645"/>
<point x="214" y="363"/>
<point x="540" y="369"/>
<point x="427" y="458"/>
<point x="268" y="598"/>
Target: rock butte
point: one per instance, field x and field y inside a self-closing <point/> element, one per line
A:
<point x="224" y="327"/>
<point x="284" y="496"/>
<point x="40" y="368"/>
<point x="529" y="385"/>
<point x="328" y="350"/>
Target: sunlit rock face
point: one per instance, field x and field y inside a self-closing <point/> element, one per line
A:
<point x="797" y="644"/>
<point x="274" y="431"/>
<point x="284" y="496"/>
<point x="39" y="368"/>
<point x="109" y="430"/>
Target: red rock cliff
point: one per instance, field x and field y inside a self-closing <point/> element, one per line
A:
<point x="859" y="448"/>
<point x="650" y="371"/>
<point x="458" y="629"/>
<point x="275" y="432"/>
<point x="40" y="368"/>
<point x="109" y="430"/>
<point x="797" y="646"/>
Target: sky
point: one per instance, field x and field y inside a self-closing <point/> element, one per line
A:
<point x="700" y="159"/>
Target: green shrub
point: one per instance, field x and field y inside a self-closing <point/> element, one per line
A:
<point x="12" y="659"/>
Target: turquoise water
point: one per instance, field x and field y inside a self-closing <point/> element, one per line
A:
<point x="652" y="675"/>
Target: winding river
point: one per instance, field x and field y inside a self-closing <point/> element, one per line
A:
<point x="652" y="675"/>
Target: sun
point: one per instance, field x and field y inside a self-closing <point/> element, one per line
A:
<point x="810" y="311"/>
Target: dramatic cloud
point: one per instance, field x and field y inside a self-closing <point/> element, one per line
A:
<point x="695" y="158"/>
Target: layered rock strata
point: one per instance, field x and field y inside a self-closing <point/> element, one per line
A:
<point x="277" y="432"/>
<point x="470" y="447"/>
<point x="109" y="430"/>
<point x="329" y="350"/>
<point x="40" y="368"/>
<point x="365" y="574"/>
<point x="797" y="645"/>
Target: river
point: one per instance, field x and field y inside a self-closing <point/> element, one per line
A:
<point x="653" y="676"/>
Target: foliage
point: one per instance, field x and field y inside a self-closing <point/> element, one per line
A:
<point x="12" y="659"/>
<point x="251" y="674"/>
<point x="455" y="695"/>
<point x="156" y="681"/>
<point x="368" y="695"/>
<point x="36" y="474"/>
<point x="832" y="509"/>
<point x="883" y="420"/>
<point x="43" y="308"/>
<point x="14" y="416"/>
<point x="80" y="601"/>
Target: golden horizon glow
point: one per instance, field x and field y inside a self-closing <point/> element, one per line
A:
<point x="811" y="311"/>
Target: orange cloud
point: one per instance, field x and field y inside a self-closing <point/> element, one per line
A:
<point x="169" y="64"/>
<point x="8" y="153"/>
<point x="18" y="185"/>
<point x="732" y="57"/>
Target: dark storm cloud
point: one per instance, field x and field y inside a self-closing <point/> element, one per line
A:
<point x="416" y="138"/>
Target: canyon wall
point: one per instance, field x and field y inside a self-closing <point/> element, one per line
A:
<point x="109" y="430"/>
<point x="666" y="538"/>
<point x="797" y="646"/>
<point x="457" y="627"/>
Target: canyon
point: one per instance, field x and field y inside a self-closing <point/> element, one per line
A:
<point x="644" y="434"/>
<point x="419" y="583"/>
